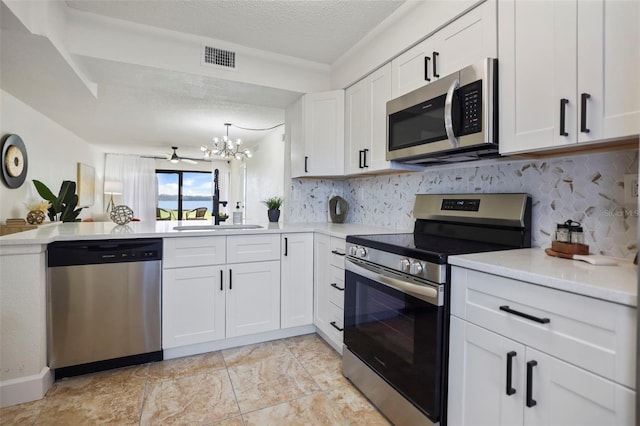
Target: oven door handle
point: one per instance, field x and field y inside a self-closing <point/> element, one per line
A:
<point x="448" y="115"/>
<point x="427" y="294"/>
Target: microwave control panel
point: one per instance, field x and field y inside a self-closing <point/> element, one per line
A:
<point x="470" y="97"/>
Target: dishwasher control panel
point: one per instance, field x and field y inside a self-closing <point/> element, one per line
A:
<point x="90" y="252"/>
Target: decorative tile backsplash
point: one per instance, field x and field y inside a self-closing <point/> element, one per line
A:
<point x="587" y="188"/>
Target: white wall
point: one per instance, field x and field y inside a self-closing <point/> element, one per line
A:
<point x="53" y="156"/>
<point x="265" y="175"/>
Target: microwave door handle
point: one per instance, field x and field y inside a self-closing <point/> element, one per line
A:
<point x="448" y="111"/>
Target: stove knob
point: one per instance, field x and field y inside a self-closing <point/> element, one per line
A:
<point x="404" y="265"/>
<point x="353" y="250"/>
<point x="415" y="268"/>
<point x="361" y="252"/>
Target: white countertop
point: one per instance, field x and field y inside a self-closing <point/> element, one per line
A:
<point x="618" y="284"/>
<point x="75" y="231"/>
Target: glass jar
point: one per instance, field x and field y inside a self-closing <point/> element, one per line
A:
<point x="576" y="234"/>
<point x="562" y="233"/>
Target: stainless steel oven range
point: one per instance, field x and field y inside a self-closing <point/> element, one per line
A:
<point x="396" y="317"/>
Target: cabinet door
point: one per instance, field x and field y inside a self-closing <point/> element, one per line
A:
<point x="478" y="363"/>
<point x="253" y="298"/>
<point x="321" y="253"/>
<point x="324" y="133"/>
<point x="294" y="125"/>
<point x="412" y="69"/>
<point x="357" y="119"/>
<point x="568" y="395"/>
<point x="465" y="41"/>
<point x="537" y="43"/>
<point x="193" y="306"/>
<point x="296" y="287"/>
<point x="608" y="69"/>
<point x="379" y="94"/>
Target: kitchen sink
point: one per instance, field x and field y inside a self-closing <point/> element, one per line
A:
<point x="213" y="227"/>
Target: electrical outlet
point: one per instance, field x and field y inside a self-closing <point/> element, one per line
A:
<point x="630" y="189"/>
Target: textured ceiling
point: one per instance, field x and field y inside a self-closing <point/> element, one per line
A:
<point x="151" y="109"/>
<point x="317" y="30"/>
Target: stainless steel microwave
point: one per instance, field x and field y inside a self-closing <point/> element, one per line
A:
<point x="455" y="118"/>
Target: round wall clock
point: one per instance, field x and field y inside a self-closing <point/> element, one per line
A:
<point x="14" y="161"/>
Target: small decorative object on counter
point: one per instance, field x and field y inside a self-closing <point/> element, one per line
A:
<point x="237" y="215"/>
<point x="569" y="240"/>
<point x="35" y="217"/>
<point x="273" y="204"/>
<point x="121" y="215"/>
<point x="37" y="210"/>
<point x="338" y="209"/>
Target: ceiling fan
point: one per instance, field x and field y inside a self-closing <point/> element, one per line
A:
<point x="174" y="158"/>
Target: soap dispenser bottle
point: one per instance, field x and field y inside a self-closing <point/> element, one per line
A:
<point x="237" y="215"/>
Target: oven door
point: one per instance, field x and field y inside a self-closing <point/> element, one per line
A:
<point x="396" y="327"/>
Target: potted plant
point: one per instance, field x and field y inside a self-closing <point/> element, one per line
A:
<point x="273" y="204"/>
<point x="62" y="207"/>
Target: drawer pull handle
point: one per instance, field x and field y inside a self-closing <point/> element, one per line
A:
<point x="334" y="285"/>
<point x="333" y="324"/>
<point x="563" y="112"/>
<point x="221" y="278"/>
<point x="530" y="401"/>
<point x="510" y="356"/>
<point x="506" y="308"/>
<point x="338" y="253"/>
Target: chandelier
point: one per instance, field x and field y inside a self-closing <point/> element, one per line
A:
<point x="225" y="148"/>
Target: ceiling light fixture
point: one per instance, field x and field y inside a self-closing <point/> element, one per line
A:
<point x="225" y="148"/>
<point x="174" y="157"/>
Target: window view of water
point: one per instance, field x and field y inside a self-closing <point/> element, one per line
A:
<point x="195" y="191"/>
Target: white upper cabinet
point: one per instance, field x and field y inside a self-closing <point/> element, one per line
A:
<point x="568" y="73"/>
<point x="462" y="42"/>
<point x="366" y="124"/>
<point x="317" y="138"/>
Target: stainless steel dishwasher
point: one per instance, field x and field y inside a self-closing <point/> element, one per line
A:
<point x="103" y="304"/>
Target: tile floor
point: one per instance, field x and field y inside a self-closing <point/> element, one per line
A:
<point x="295" y="381"/>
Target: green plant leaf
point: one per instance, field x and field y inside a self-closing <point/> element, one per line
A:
<point x="67" y="191"/>
<point x="44" y="191"/>
<point x="46" y="194"/>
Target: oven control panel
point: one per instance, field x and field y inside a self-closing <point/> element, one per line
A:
<point x="402" y="264"/>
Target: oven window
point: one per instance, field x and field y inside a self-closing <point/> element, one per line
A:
<point x="398" y="336"/>
<point x="420" y="124"/>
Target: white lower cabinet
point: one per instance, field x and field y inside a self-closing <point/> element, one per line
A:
<point x="296" y="280"/>
<point x="328" y="318"/>
<point x="209" y="300"/>
<point x="253" y="298"/>
<point x="193" y="305"/>
<point x="501" y="367"/>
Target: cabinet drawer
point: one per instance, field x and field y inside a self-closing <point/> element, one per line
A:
<point x="253" y="248"/>
<point x="596" y="335"/>
<point x="336" y="321"/>
<point x="193" y="251"/>
<point x="336" y="286"/>
<point x="338" y="251"/>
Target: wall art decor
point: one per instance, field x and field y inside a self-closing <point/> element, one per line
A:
<point x="14" y="161"/>
<point x="86" y="185"/>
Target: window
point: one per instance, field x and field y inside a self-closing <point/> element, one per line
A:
<point x="180" y="193"/>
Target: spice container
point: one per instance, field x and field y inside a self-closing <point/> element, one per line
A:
<point x="562" y="233"/>
<point x="576" y="234"/>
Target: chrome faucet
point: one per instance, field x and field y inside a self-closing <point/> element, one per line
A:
<point x="216" y="198"/>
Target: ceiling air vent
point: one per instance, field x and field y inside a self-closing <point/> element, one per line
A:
<point x="219" y="57"/>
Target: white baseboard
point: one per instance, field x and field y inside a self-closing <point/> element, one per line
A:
<point x="233" y="342"/>
<point x="25" y="389"/>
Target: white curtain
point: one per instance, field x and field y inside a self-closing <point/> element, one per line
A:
<point x="139" y="184"/>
